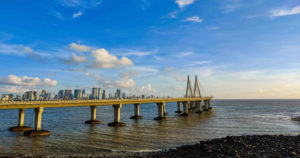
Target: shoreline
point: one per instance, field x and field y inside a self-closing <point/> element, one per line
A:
<point x="230" y="146"/>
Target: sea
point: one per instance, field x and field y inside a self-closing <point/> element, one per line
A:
<point x="71" y="136"/>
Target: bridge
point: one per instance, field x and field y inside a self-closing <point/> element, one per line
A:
<point x="189" y="102"/>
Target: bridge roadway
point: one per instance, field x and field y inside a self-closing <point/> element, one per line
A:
<point x="38" y="106"/>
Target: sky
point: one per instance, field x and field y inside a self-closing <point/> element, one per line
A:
<point x="239" y="49"/>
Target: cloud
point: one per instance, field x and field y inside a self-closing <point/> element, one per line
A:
<point x="128" y="74"/>
<point x="183" y="3"/>
<point x="130" y="52"/>
<point x="285" y="12"/>
<point x="78" y="14"/>
<point x="194" y="19"/>
<point x="231" y="5"/>
<point x="79" y="48"/>
<point x="182" y="54"/>
<point x="201" y="62"/>
<point x="29" y="50"/>
<point x="31" y="54"/>
<point x="213" y="28"/>
<point x="58" y="15"/>
<point x="105" y="60"/>
<point x="173" y="14"/>
<point x="80" y="3"/>
<point x="75" y="59"/>
<point x="13" y="89"/>
<point x="179" y="88"/>
<point x="26" y="81"/>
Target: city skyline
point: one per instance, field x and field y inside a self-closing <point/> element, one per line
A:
<point x="239" y="49"/>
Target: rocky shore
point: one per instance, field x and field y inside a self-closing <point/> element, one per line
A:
<point x="232" y="146"/>
<point x="236" y="146"/>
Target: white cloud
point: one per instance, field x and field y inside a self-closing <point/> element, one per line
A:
<point x="13" y="89"/>
<point x="201" y="62"/>
<point x="29" y="50"/>
<point x="75" y="59"/>
<point x="79" y="48"/>
<point x="105" y="60"/>
<point x="183" y="3"/>
<point x="173" y="14"/>
<point x="185" y="54"/>
<point x="130" y="52"/>
<point x="126" y="83"/>
<point x="179" y="88"/>
<point x="76" y="15"/>
<point x="231" y="5"/>
<point x="196" y="19"/>
<point x="26" y="81"/>
<point x="285" y="12"/>
<point x="128" y="74"/>
<point x="147" y="88"/>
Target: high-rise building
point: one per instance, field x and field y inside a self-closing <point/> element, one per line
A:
<point x="99" y="93"/>
<point x="61" y="94"/>
<point x="118" y="94"/>
<point x="77" y="94"/>
<point x="123" y="96"/>
<point x="94" y="93"/>
<point x="103" y="95"/>
<point x="68" y="94"/>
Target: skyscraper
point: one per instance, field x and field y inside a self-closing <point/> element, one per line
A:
<point x="77" y="94"/>
<point x="119" y="94"/>
<point x="123" y="96"/>
<point x="103" y="95"/>
<point x="99" y="93"/>
<point x="94" y="93"/>
<point x="61" y="94"/>
<point x="68" y="94"/>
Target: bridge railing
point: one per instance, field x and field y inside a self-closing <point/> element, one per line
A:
<point x="89" y="100"/>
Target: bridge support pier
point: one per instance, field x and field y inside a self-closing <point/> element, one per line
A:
<point x="206" y="108"/>
<point x="136" y="112"/>
<point x="20" y="127"/>
<point x="185" y="108"/>
<point x="209" y="107"/>
<point x="199" y="107"/>
<point x="37" y="125"/>
<point x="164" y="107"/>
<point x="117" y="117"/>
<point x="178" y="107"/>
<point x="93" y="116"/>
<point x="161" y="111"/>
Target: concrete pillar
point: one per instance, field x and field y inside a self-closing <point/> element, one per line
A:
<point x="93" y="116"/>
<point x="136" y="109"/>
<point x="93" y="112"/>
<point x="20" y="127"/>
<point x="38" y="118"/>
<point x="37" y="125"/>
<point x="21" y="117"/>
<point x="164" y="108"/>
<point x="185" y="108"/>
<point x="206" y="105"/>
<point x="178" y="107"/>
<point x="136" y="112"/>
<point x="117" y="116"/>
<point x="160" y="110"/>
<point x="199" y="106"/>
<point x="209" y="107"/>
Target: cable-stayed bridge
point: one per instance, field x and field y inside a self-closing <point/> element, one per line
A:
<point x="192" y="100"/>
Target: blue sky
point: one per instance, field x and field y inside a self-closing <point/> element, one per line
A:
<point x="238" y="48"/>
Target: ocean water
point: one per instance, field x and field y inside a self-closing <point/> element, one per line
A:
<point x="71" y="136"/>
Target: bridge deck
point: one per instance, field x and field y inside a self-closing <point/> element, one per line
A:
<point x="103" y="102"/>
